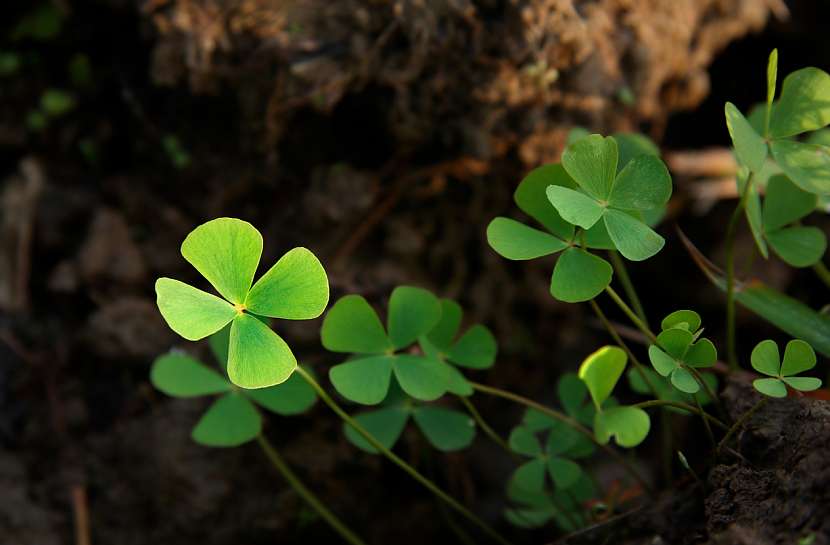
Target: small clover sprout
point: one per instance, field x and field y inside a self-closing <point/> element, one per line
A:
<point x="678" y="348"/>
<point x="232" y="419"/>
<point x="352" y="326"/>
<point x="801" y="107"/>
<point x="600" y="372"/>
<point x="446" y="429"/>
<point x="798" y="357"/>
<point x="619" y="199"/>
<point x="227" y="251"/>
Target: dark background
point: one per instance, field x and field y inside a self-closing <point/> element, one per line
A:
<point x="388" y="162"/>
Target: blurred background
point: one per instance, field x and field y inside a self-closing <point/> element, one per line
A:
<point x="382" y="134"/>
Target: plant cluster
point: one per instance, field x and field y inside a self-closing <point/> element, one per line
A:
<point x="607" y="195"/>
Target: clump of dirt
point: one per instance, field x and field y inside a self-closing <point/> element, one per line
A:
<point x="477" y="78"/>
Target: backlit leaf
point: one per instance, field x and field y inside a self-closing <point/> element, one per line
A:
<point x="190" y="312"/>
<point x="226" y="251"/>
<point x="750" y="147"/>
<point x="807" y="165"/>
<point x="601" y="370"/>
<point x="803" y="105"/>
<point x="295" y="288"/>
<point x="257" y="357"/>
<point x="629" y="426"/>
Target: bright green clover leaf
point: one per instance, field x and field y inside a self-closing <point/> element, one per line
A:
<point x="678" y="349"/>
<point x="578" y="275"/>
<point x="553" y="460"/>
<point x="601" y="371"/>
<point x="798" y="357"/>
<point x="619" y="199"/>
<point x="447" y="430"/>
<point x="352" y="326"/>
<point x="232" y="419"/>
<point x="226" y="251"/>
<point x="786" y="203"/>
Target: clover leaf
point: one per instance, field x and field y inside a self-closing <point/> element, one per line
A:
<point x="798" y="357"/>
<point x="232" y="419"/>
<point x="578" y="274"/>
<point x="786" y="203"/>
<point x="352" y="326"/>
<point x="665" y="391"/>
<point x="600" y="372"/>
<point x="802" y="107"/>
<point x="446" y="429"/>
<point x="619" y="199"/>
<point x="226" y="251"/>
<point x="678" y="348"/>
<point x="536" y="508"/>
<point x="555" y="459"/>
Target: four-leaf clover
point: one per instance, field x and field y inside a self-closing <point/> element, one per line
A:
<point x="679" y="348"/>
<point x="619" y="199"/>
<point x="798" y="357"/>
<point x="226" y="251"/>
<point x="352" y="326"/>
<point x="232" y="419"/>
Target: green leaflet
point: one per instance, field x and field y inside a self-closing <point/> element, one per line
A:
<point x="514" y="240"/>
<point x="803" y="104"/>
<point x="192" y="313"/>
<point x="257" y="357"/>
<point x="750" y="147"/>
<point x="179" y="375"/>
<point x="412" y="312"/>
<point x="231" y="421"/>
<point x="579" y="276"/>
<point x="295" y="288"/>
<point x="351" y="325"/>
<point x="600" y="372"/>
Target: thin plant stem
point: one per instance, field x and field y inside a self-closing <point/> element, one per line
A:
<point x="699" y="378"/>
<point x="628" y="285"/>
<point x="307" y="495"/>
<point x="395" y="459"/>
<point x="821" y="271"/>
<point x="731" y="231"/>
<point x="556" y="415"/>
<point x="739" y="423"/>
<point x="706" y="425"/>
<point x="685" y="407"/>
<point x="618" y="339"/>
<point x="485" y="427"/>
<point x="631" y="314"/>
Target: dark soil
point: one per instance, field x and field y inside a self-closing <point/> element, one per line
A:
<point x="353" y="131"/>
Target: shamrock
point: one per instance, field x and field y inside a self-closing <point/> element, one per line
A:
<point x="445" y="429"/>
<point x="534" y="509"/>
<point x="352" y="326"/>
<point x="600" y="372"/>
<point x="802" y="107"/>
<point x="556" y="458"/>
<point x="798" y="357"/>
<point x="232" y="419"/>
<point x="619" y="199"/>
<point x="475" y="349"/>
<point x="578" y="275"/>
<point x="226" y="251"/>
<point x="784" y="204"/>
<point x="678" y="348"/>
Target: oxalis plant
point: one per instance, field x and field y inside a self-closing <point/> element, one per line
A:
<point x="415" y="363"/>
